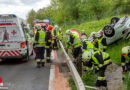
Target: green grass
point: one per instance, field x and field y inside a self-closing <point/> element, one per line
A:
<point x="72" y="84"/>
<point x="114" y="50"/>
<point x="89" y="77"/>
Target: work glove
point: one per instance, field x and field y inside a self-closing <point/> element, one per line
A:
<point x="124" y="70"/>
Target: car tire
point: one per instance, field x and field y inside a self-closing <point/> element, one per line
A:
<point x="27" y="58"/>
<point x="32" y="53"/>
<point x="108" y="31"/>
<point x="114" y="20"/>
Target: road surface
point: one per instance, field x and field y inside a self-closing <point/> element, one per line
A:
<point x="24" y="76"/>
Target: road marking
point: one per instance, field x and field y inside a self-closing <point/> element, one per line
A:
<point x="3" y="88"/>
<point x="56" y="67"/>
<point x="1" y="82"/>
<point x="52" y="73"/>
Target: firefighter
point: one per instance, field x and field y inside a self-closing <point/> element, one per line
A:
<point x="40" y="46"/>
<point x="94" y="37"/>
<point x="55" y="36"/>
<point x="43" y="28"/>
<point x="125" y="59"/>
<point x="60" y="34"/>
<point x="87" y="45"/>
<point x="83" y="33"/>
<point x="67" y="43"/>
<point x="99" y="42"/>
<point x="48" y="39"/>
<point x="99" y="60"/>
<point x="75" y="43"/>
<point x="102" y="42"/>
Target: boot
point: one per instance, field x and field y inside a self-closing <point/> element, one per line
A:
<point x="38" y="64"/>
<point x="104" y="83"/>
<point x="48" y="61"/>
<point x="43" y="64"/>
<point x="98" y="83"/>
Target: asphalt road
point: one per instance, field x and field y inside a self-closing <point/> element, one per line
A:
<point x="24" y="76"/>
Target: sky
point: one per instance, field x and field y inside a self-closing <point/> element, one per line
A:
<point x="21" y="7"/>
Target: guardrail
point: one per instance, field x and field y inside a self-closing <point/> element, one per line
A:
<point x="77" y="79"/>
<point x="75" y="75"/>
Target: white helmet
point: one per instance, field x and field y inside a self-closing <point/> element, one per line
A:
<point x="83" y="38"/>
<point x="60" y="29"/>
<point x="94" y="34"/>
<point x="83" y="31"/>
<point x="125" y="50"/>
<point x="68" y="32"/>
<point x="86" y="55"/>
<point x="56" y="27"/>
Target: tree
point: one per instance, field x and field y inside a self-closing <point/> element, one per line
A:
<point x="31" y="17"/>
<point x="98" y="7"/>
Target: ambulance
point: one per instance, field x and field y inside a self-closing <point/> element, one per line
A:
<point x="15" y="41"/>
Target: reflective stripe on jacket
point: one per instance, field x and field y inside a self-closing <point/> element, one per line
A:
<point x="124" y="59"/>
<point x="101" y="58"/>
<point x="75" y="41"/>
<point x="87" y="46"/>
<point x="60" y="35"/>
<point x="40" y="38"/>
<point x="55" y="34"/>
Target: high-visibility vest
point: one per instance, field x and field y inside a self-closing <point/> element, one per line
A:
<point x="89" y="47"/>
<point x="77" y="41"/>
<point x="48" y="39"/>
<point x="41" y="40"/>
<point x="100" y="46"/>
<point x="55" y="34"/>
<point x="60" y="35"/>
<point x="105" y="58"/>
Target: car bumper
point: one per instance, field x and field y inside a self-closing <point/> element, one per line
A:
<point x="17" y="53"/>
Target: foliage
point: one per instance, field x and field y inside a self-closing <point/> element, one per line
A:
<point x="68" y="12"/>
<point x="114" y="50"/>
<point x="72" y="84"/>
<point x="89" y="77"/>
<point x="31" y="17"/>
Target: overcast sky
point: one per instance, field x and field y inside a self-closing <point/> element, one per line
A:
<point x="21" y="7"/>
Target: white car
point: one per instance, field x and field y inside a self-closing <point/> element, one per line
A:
<point x="118" y="29"/>
<point x="15" y="42"/>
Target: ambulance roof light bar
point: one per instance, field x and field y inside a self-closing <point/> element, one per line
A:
<point x="8" y="15"/>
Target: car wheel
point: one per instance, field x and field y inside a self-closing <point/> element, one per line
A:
<point x="114" y="20"/>
<point x="32" y="53"/>
<point x="27" y="58"/>
<point x="109" y="31"/>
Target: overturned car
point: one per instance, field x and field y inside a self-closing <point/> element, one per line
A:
<point x="118" y="29"/>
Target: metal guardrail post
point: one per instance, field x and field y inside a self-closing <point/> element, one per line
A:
<point x="77" y="79"/>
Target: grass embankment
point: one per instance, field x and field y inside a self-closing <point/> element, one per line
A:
<point x="114" y="50"/>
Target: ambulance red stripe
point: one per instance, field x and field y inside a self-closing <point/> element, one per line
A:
<point x="14" y="53"/>
<point x="9" y="53"/>
<point x="17" y="52"/>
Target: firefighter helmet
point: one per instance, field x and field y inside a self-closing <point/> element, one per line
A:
<point x="83" y="31"/>
<point x="68" y="32"/>
<point x="60" y="29"/>
<point x="38" y="26"/>
<point x="50" y="27"/>
<point x="86" y="55"/>
<point x="125" y="50"/>
<point x="83" y="38"/>
<point x="94" y="34"/>
<point x="56" y="27"/>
